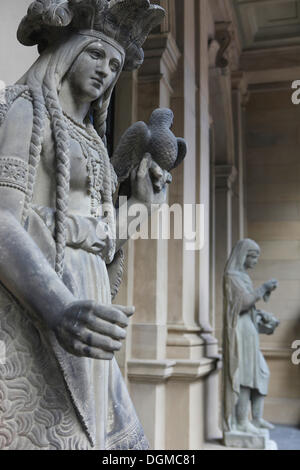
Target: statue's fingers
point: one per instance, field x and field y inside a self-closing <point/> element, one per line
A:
<point x="129" y="311"/>
<point x="97" y="340"/>
<point x="168" y="177"/>
<point x="111" y="314"/>
<point x="83" y="350"/>
<point x="144" y="167"/>
<point x="133" y="174"/>
<point x="156" y="170"/>
<point x="104" y="327"/>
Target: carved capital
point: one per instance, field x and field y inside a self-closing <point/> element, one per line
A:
<point x="161" y="58"/>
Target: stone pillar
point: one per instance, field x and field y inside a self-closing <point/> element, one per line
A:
<point x="225" y="176"/>
<point x="148" y="368"/>
<point x="188" y="312"/>
<point x="211" y="389"/>
<point x="239" y="100"/>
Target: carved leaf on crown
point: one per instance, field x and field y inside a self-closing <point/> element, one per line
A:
<point x="130" y="16"/>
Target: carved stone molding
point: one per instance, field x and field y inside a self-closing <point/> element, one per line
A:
<point x="224" y="36"/>
<point x="225" y="176"/>
<point x="154" y="371"/>
<point x="191" y="371"/>
<point x="161" y="59"/>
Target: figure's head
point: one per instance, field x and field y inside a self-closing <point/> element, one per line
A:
<point x="95" y="70"/>
<point x="91" y="67"/>
<point x="244" y="255"/>
<point x="162" y="116"/>
<point x="251" y="259"/>
<point x="119" y="25"/>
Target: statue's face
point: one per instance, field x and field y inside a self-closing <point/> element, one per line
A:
<point x="252" y="259"/>
<point x="94" y="71"/>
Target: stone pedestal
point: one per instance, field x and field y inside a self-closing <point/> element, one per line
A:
<point x="242" y="440"/>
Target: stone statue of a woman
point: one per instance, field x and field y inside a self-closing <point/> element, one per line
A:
<point x="246" y="374"/>
<point x="60" y="259"/>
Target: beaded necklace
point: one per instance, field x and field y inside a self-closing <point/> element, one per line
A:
<point x="100" y="175"/>
<point x="94" y="152"/>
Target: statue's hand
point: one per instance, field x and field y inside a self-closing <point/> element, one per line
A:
<point x="149" y="183"/>
<point x="270" y="285"/>
<point x="93" y="330"/>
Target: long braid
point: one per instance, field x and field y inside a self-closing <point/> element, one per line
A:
<point x="61" y="140"/>
<point x="35" y="148"/>
<point x="100" y="116"/>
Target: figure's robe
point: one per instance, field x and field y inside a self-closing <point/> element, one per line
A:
<point x="244" y="364"/>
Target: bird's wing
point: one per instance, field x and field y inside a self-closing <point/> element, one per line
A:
<point x="182" y="151"/>
<point x="131" y="149"/>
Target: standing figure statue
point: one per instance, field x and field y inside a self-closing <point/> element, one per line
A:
<point x="60" y="257"/>
<point x="246" y="374"/>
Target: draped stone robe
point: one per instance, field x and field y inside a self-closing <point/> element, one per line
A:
<point x="244" y="364"/>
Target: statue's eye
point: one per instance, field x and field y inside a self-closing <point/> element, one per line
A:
<point x="97" y="54"/>
<point x="115" y="65"/>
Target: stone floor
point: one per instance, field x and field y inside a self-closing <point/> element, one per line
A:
<point x="287" y="438"/>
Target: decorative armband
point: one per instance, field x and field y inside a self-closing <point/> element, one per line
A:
<point x="13" y="173"/>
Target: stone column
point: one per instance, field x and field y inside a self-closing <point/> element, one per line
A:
<point x="225" y="176"/>
<point x="211" y="389"/>
<point x="188" y="312"/>
<point x="239" y="100"/>
<point x="148" y="368"/>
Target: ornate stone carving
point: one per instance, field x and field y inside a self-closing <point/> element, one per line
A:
<point x="224" y="38"/>
<point x="13" y="173"/>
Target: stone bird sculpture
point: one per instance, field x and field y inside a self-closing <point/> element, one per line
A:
<point x="155" y="138"/>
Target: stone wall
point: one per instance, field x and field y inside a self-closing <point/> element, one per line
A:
<point x="273" y="205"/>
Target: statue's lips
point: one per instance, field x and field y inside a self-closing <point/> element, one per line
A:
<point x="98" y="80"/>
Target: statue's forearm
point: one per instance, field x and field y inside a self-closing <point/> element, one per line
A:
<point x="26" y="273"/>
<point x="250" y="300"/>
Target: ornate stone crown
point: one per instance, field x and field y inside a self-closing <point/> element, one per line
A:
<point x="128" y="22"/>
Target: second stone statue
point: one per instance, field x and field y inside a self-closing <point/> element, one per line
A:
<point x="246" y="374"/>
